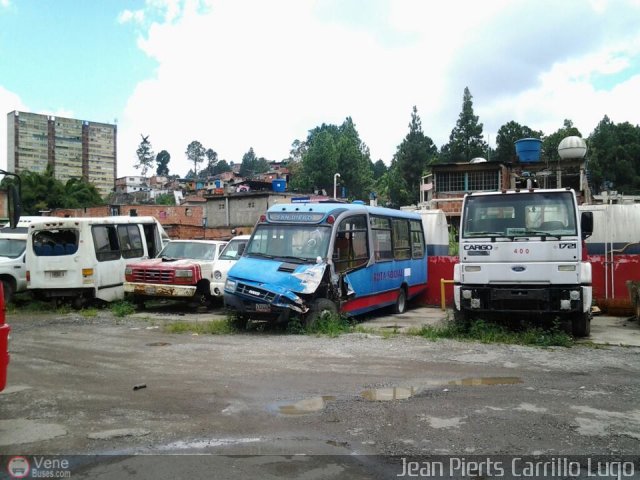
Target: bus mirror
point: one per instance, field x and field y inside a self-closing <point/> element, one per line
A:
<point x="14" y="206"/>
<point x="586" y="224"/>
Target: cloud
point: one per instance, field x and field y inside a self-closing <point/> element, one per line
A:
<point x="5" y="3"/>
<point x="236" y="75"/>
<point x="135" y="16"/>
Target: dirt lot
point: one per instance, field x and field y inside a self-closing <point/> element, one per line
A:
<point x="267" y="396"/>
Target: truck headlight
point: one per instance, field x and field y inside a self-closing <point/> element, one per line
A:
<point x="184" y="273"/>
<point x="217" y="275"/>
<point x="466" y="294"/>
<point x="230" y="285"/>
<point x="128" y="270"/>
<point x="574" y="295"/>
<point x="472" y="268"/>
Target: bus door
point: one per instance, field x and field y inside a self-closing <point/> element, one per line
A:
<point x="350" y="254"/>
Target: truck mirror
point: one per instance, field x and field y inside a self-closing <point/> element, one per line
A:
<point x="14" y="206"/>
<point x="586" y="224"/>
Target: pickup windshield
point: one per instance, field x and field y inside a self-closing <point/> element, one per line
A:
<point x="302" y="243"/>
<point x="192" y="250"/>
<point x="12" y="248"/>
<point x="543" y="214"/>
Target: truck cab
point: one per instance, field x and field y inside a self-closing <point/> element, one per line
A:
<point x="522" y="253"/>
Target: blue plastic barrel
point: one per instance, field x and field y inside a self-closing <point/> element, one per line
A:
<point x="279" y="185"/>
<point x="529" y="150"/>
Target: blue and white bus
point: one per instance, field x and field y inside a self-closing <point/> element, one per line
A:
<point x="307" y="259"/>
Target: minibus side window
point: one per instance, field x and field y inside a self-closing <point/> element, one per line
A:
<point x="401" y="246"/>
<point x="105" y="240"/>
<point x="381" y="231"/>
<point x="351" y="248"/>
<point x="130" y="241"/>
<point x="417" y="239"/>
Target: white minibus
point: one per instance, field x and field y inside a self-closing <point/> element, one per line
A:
<point x="84" y="258"/>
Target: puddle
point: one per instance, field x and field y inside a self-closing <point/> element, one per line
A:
<point x="388" y="394"/>
<point x="486" y="381"/>
<point x="22" y="430"/>
<point x="214" y="442"/>
<point x="306" y="406"/>
<point x="158" y="344"/>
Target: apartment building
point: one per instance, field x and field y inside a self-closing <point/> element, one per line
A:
<point x="74" y="148"/>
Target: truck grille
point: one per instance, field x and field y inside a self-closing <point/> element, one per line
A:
<point x="257" y="293"/>
<point x="152" y="276"/>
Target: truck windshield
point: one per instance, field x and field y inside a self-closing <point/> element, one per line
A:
<point x="293" y="242"/>
<point x="12" y="248"/>
<point x="191" y="250"/>
<point x="524" y="214"/>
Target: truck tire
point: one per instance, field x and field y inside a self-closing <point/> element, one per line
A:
<point x="401" y="302"/>
<point x="320" y="308"/>
<point x="203" y="299"/>
<point x="461" y="318"/>
<point x="581" y="324"/>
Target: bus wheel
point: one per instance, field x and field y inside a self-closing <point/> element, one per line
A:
<point x="401" y="302"/>
<point x="320" y="308"/>
<point x="581" y="324"/>
<point x="79" y="302"/>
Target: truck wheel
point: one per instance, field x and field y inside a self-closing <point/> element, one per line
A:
<point x="581" y="324"/>
<point x="8" y="291"/>
<point x="240" y="322"/>
<point x="320" y="308"/>
<point x="138" y="302"/>
<point x="401" y="302"/>
<point x="461" y="318"/>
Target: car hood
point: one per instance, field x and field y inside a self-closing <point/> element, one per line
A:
<point x="159" y="263"/>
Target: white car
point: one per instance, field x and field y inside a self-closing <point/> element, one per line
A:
<point x="230" y="255"/>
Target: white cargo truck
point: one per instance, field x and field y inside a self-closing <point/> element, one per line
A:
<point x="522" y="253"/>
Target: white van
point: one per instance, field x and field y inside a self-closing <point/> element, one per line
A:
<point x="13" y="271"/>
<point x="229" y="256"/>
<point x="84" y="258"/>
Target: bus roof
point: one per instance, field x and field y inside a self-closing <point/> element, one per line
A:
<point x="48" y="222"/>
<point x="329" y="207"/>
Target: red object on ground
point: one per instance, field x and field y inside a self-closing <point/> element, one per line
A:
<point x="4" y="342"/>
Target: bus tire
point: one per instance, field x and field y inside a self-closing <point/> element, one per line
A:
<point x="320" y="308"/>
<point x="581" y="324"/>
<point x="9" y="290"/>
<point x="401" y="302"/>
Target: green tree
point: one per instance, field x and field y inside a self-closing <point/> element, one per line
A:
<point x="162" y="162"/>
<point x="409" y="163"/>
<point x="614" y="156"/>
<point x="195" y="153"/>
<point x="353" y="161"/>
<point x="320" y="162"/>
<point x="379" y="169"/>
<point x="221" y="167"/>
<point x="78" y="193"/>
<point x="466" y="139"/>
<point x="165" y="199"/>
<point x="212" y="159"/>
<point x="145" y="155"/>
<point x="550" y="143"/>
<point x="506" y="138"/>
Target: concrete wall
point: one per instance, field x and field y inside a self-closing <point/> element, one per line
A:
<point x="240" y="210"/>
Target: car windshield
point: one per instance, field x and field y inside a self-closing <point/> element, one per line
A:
<point x="12" y="248"/>
<point x="233" y="250"/>
<point x="541" y="214"/>
<point x="193" y="250"/>
<point x="294" y="242"/>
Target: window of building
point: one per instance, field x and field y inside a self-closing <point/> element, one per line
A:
<point x="467" y="181"/>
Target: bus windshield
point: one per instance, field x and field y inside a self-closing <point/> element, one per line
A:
<point x="549" y="214"/>
<point x="292" y="242"/>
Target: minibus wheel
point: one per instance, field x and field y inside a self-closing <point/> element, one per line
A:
<point x="319" y="308"/>
<point x="581" y="324"/>
<point x="401" y="302"/>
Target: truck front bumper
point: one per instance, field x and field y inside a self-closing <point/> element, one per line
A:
<point x="159" y="291"/>
<point x="559" y="299"/>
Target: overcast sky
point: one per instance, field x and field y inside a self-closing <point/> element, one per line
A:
<point x="236" y="74"/>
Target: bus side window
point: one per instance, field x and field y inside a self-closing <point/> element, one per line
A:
<point x="105" y="240"/>
<point x="351" y="246"/>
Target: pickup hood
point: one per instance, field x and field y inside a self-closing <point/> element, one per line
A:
<point x="158" y="263"/>
<point x="278" y="277"/>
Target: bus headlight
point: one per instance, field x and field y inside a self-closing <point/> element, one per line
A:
<point x="472" y="268"/>
<point x="566" y="268"/>
<point x="230" y="285"/>
<point x="184" y="273"/>
<point x="217" y="275"/>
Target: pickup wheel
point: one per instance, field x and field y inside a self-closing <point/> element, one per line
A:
<point x="202" y="298"/>
<point x="581" y="324"/>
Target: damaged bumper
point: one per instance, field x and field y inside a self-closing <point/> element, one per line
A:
<point x="260" y="299"/>
<point x="161" y="291"/>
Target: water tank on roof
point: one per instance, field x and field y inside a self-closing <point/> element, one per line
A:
<point x="572" y="147"/>
<point x="478" y="160"/>
<point x="528" y="150"/>
<point x="279" y="185"/>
